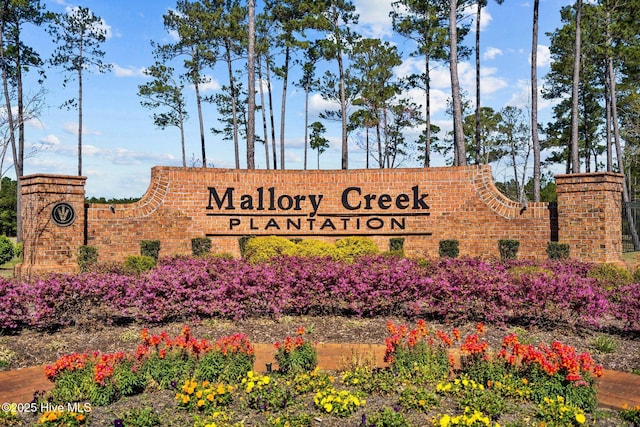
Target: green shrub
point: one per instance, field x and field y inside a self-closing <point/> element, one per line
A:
<point x="396" y="245"/>
<point x="312" y="247"/>
<point x="17" y="249"/>
<point x="385" y="417"/>
<point x="610" y="275"/>
<point x="136" y="264"/>
<point x="605" y="344"/>
<point x="200" y="246"/>
<point x="6" y="250"/>
<point x="557" y="250"/>
<point x="141" y="417"/>
<point x="350" y="248"/>
<point x="448" y="248"/>
<point x="263" y="248"/>
<point x="242" y="243"/>
<point x="150" y="248"/>
<point x="508" y="248"/>
<point x="87" y="257"/>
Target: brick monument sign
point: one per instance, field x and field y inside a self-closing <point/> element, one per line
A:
<point x="423" y="206"/>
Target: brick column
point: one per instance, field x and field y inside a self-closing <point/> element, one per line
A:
<point x="53" y="223"/>
<point x="590" y="215"/>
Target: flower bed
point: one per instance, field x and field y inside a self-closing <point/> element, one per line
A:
<point x="447" y="289"/>
<point x="213" y="384"/>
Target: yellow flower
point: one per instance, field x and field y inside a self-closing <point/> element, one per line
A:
<point x="205" y="383"/>
<point x="210" y="397"/>
<point x="445" y="420"/>
<point x="580" y="418"/>
<point x="199" y="394"/>
<point x="52" y="416"/>
<point x="328" y="407"/>
<point x="221" y="389"/>
<point x="200" y="403"/>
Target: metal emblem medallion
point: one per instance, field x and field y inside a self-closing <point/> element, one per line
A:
<point x="63" y="214"/>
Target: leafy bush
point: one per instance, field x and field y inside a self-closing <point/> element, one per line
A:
<point x="200" y="246"/>
<point x="6" y="250"/>
<point x="396" y="244"/>
<point x="408" y="349"/>
<point x="150" y="248"/>
<point x="87" y="257"/>
<point x="508" y="248"/>
<point x="136" y="264"/>
<point x="557" y="250"/>
<point x="313" y="247"/>
<point x="17" y="248"/>
<point x="450" y="289"/>
<point x="263" y="248"/>
<point x="448" y="248"/>
<point x="242" y="243"/>
<point x="296" y="355"/>
<point x="350" y="248"/>
<point x="140" y="417"/>
<point x="232" y="357"/>
<point x="611" y="275"/>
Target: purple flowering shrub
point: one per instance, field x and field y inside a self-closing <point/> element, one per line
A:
<point x="450" y="289"/>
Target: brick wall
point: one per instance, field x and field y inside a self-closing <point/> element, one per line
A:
<point x="424" y="206"/>
<point x="590" y="215"/>
<point x="46" y="246"/>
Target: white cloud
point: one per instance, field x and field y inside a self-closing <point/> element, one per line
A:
<point x="210" y="84"/>
<point x="374" y="16"/>
<point x="521" y="97"/>
<point x="470" y="13"/>
<point x="317" y="104"/>
<point x="491" y="53"/>
<point x="128" y="71"/>
<point x="50" y="140"/>
<point x="410" y="65"/>
<point x="544" y="56"/>
<point x="72" y="128"/>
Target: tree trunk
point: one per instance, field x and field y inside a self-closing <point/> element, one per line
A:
<point x="616" y="134"/>
<point x="273" y="128"/>
<point x="460" y="158"/>
<point x="80" y="119"/>
<point x="343" y="96"/>
<point x="575" y="155"/>
<point x="427" y="91"/>
<point x="181" y="119"/>
<point x="478" y="144"/>
<point x="379" y="137"/>
<point x="18" y="158"/>
<point x="264" y="114"/>
<point x="234" y="108"/>
<point x="306" y="121"/>
<point x="200" y="121"/>
<point x="343" y="106"/>
<point x="534" y="104"/>
<point x="251" y="106"/>
<point x="285" y="79"/>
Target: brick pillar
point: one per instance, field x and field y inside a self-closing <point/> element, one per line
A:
<point x="590" y="215"/>
<point x="53" y="223"/>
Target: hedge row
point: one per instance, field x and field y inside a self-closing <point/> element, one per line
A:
<point x="451" y="289"/>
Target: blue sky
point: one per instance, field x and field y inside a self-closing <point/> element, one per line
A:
<point x="121" y="144"/>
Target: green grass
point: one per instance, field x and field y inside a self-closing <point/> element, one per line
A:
<point x="6" y="270"/>
<point x="630" y="258"/>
